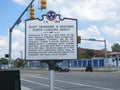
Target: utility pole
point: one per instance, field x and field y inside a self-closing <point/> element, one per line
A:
<point x="106" y="60"/>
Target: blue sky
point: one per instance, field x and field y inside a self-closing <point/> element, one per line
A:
<point x="99" y="19"/>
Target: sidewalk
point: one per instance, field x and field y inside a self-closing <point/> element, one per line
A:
<point x="96" y="69"/>
<point x="25" y="88"/>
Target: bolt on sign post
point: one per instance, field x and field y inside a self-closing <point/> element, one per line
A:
<point x="51" y="38"/>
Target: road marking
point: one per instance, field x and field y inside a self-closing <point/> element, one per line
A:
<point x="45" y="85"/>
<point x="78" y="84"/>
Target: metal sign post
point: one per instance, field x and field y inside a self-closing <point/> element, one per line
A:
<point x="51" y="79"/>
<point x="51" y="65"/>
<point x="51" y="74"/>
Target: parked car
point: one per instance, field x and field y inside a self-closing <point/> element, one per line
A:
<point x="89" y="68"/>
<point x="60" y="68"/>
<point x="4" y="67"/>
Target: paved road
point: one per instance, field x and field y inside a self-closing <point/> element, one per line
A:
<point x="39" y="80"/>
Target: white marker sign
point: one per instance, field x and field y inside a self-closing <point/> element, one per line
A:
<point x="51" y="38"/>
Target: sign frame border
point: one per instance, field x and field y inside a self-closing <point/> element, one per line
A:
<point x="40" y="19"/>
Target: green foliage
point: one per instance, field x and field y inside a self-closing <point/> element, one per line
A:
<point x="4" y="61"/>
<point x="88" y="54"/>
<point x="116" y="47"/>
<point x="82" y="56"/>
<point x="19" y="63"/>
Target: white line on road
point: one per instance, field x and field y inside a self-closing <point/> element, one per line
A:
<point x="45" y="85"/>
<point x="78" y="84"/>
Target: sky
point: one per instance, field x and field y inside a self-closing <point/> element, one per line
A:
<point x="98" y="19"/>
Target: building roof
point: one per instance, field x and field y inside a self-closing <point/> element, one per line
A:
<point x="113" y="53"/>
<point x="98" y="53"/>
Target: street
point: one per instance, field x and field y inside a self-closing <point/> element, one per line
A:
<point x="73" y="80"/>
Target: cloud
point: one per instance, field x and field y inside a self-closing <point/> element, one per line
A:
<point x="85" y="10"/>
<point x="22" y="2"/>
<point x="88" y="10"/>
<point x="3" y="45"/>
<point x="21" y="26"/>
<point x="18" y="38"/>
<point x="91" y="32"/>
<point x="111" y="31"/>
<point x="3" y="41"/>
<point x="18" y="43"/>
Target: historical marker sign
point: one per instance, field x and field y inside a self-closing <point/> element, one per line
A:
<point x="51" y="38"/>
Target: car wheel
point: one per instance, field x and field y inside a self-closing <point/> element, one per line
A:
<point x="67" y="70"/>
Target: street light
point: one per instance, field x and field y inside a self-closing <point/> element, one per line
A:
<point x="11" y="29"/>
<point x="105" y="53"/>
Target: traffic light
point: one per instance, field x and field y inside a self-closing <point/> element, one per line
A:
<point x="79" y="39"/>
<point x="7" y="55"/>
<point x="43" y="4"/>
<point x="31" y="9"/>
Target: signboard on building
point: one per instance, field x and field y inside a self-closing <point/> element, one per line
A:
<point x="51" y="38"/>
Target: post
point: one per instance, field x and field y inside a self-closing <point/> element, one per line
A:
<point x="118" y="64"/>
<point x="51" y="75"/>
<point x="10" y="40"/>
<point x="117" y="57"/>
<point x="51" y="79"/>
<point x="106" y="61"/>
<point x="10" y="32"/>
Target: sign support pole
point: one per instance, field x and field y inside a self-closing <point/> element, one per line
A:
<point x="51" y="80"/>
<point x="51" y="74"/>
<point x="51" y="65"/>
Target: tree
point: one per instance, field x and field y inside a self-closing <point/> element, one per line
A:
<point x="4" y="61"/>
<point x="19" y="63"/>
<point x="88" y="54"/>
<point x="116" y="47"/>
